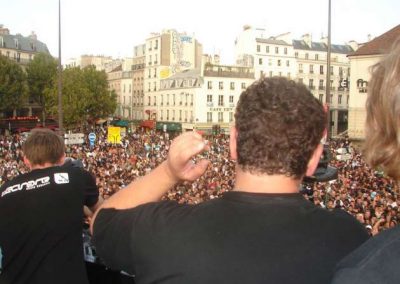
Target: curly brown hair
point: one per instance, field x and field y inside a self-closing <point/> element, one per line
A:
<point x="279" y="124"/>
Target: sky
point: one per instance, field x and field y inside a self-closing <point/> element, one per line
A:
<point x="114" y="27"/>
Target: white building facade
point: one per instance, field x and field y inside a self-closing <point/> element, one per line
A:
<point x="202" y="98"/>
<point x="302" y="60"/>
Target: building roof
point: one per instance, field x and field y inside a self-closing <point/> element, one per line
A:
<point x="380" y="44"/>
<point x="272" y="41"/>
<point x="189" y="73"/>
<point x="25" y="44"/>
<point x="116" y="69"/>
<point x="320" y="46"/>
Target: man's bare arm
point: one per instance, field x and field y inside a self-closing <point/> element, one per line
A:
<point x="178" y="167"/>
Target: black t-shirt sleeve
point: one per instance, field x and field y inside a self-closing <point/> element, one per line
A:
<point x="112" y="238"/>
<point x="90" y="190"/>
<point x="122" y="236"/>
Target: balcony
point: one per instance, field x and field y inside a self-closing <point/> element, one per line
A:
<point x="321" y="88"/>
<point x="311" y="87"/>
<point x="210" y="104"/>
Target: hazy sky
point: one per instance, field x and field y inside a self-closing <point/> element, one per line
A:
<point x="113" y="27"/>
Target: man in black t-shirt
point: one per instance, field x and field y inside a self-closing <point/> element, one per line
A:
<point x="264" y="231"/>
<point x="41" y="216"/>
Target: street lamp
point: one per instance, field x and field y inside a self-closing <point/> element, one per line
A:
<point x="60" y="110"/>
<point x="328" y="75"/>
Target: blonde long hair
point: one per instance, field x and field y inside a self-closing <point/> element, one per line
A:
<point x="382" y="145"/>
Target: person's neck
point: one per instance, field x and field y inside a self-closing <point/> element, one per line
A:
<point x="248" y="182"/>
<point x="43" y="166"/>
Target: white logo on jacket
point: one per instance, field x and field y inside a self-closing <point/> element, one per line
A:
<point x="61" y="178"/>
<point x="28" y="185"/>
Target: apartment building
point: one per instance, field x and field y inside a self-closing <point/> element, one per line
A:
<point x="303" y="60"/>
<point x="360" y="62"/>
<point x="100" y="62"/>
<point x="166" y="53"/>
<point x="138" y="65"/>
<point x="22" y="50"/>
<point x="202" y="97"/>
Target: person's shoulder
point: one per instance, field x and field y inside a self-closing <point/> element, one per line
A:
<point x="345" y="219"/>
<point x="375" y="261"/>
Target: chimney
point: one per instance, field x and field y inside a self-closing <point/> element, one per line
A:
<point x="307" y="39"/>
<point x="216" y="59"/>
<point x="369" y="37"/>
<point x="4" y="31"/>
<point x="353" y="44"/>
<point x="246" y="27"/>
<point x="33" y="36"/>
<point x="324" y="39"/>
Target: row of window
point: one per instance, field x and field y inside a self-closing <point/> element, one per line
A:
<point x="150" y="62"/>
<point x="220" y="99"/>
<point x="340" y="99"/>
<point x="322" y="69"/>
<point x="150" y="45"/>
<point x="279" y="62"/>
<point x="182" y="115"/>
<point x="221" y="85"/>
<point x="277" y="49"/>
<point x="306" y="56"/>
<point x="220" y="117"/>
<point x="184" y="100"/>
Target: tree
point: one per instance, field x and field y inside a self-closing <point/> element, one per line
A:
<point x="41" y="78"/>
<point x="13" y="87"/>
<point x="85" y="95"/>
<point x="101" y="102"/>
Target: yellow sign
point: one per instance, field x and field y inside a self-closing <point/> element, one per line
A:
<point x="164" y="73"/>
<point x="114" y="135"/>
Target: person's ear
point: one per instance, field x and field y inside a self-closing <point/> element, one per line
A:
<point x="313" y="162"/>
<point x="61" y="160"/>
<point x="233" y="143"/>
<point x="27" y="163"/>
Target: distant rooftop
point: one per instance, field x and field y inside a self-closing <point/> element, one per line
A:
<point x="320" y="46"/>
<point x="19" y="42"/>
<point x="272" y="41"/>
<point x="380" y="44"/>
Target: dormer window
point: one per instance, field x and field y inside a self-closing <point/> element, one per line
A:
<point x="16" y="42"/>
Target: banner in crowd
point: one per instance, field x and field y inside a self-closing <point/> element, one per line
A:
<point x="114" y="135"/>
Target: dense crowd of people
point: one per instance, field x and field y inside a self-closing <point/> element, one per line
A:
<point x="363" y="192"/>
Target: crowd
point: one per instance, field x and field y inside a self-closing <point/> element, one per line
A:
<point x="361" y="191"/>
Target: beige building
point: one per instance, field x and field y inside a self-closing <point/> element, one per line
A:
<point x="303" y="60"/>
<point x="138" y="65"/>
<point x="114" y="78"/>
<point x="360" y="63"/>
<point x="202" y="97"/>
<point x="100" y="62"/>
<point x="166" y="54"/>
<point x="22" y="50"/>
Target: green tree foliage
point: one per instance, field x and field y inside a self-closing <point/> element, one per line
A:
<point x="13" y="87"/>
<point x="85" y="96"/>
<point x="41" y="77"/>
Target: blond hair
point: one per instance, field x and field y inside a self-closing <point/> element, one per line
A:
<point x="382" y="145"/>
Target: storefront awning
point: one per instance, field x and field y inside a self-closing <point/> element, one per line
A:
<point x="169" y="126"/>
<point x="148" y="124"/>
